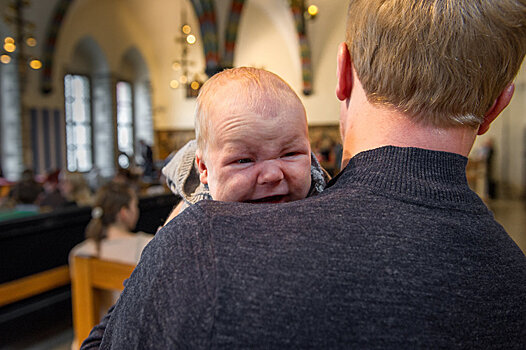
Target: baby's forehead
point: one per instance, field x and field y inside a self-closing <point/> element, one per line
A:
<point x="265" y="103"/>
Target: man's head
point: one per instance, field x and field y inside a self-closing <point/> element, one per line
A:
<point x="441" y="62"/>
<point x="252" y="138"/>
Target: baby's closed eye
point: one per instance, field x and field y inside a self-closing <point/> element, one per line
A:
<point x="292" y="154"/>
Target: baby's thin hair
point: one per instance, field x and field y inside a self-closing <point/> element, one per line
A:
<point x="250" y="90"/>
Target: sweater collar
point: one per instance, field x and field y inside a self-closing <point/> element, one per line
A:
<point x="407" y="171"/>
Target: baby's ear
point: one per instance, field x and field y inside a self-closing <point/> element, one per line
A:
<point x="201" y="166"/>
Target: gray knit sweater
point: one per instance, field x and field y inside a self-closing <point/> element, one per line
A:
<point x="397" y="253"/>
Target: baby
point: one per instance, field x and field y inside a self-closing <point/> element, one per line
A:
<point x="251" y="144"/>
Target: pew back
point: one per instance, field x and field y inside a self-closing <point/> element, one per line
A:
<point x="90" y="274"/>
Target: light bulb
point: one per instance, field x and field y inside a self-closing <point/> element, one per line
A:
<point x="174" y="84"/>
<point x="190" y="39"/>
<point x="186" y="29"/>
<point x="5" y="59"/>
<point x="312" y="10"/>
<point x="31" y="42"/>
<point x="35" y="64"/>
<point x="9" y="47"/>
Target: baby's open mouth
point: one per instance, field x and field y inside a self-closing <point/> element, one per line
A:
<point x="270" y="199"/>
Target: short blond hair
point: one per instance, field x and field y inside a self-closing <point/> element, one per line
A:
<point x="442" y="62"/>
<point x="249" y="90"/>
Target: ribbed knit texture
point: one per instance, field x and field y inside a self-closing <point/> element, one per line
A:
<point x="397" y="254"/>
<point x="413" y="173"/>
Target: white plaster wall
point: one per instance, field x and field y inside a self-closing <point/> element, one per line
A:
<point x="326" y="32"/>
<point x="267" y="39"/>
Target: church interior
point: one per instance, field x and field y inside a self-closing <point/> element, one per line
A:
<point x="107" y="89"/>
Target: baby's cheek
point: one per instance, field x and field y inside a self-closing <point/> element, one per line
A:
<point x="236" y="187"/>
<point x="300" y="176"/>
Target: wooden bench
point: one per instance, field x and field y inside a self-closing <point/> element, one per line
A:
<point x="89" y="275"/>
<point x="34" y="275"/>
<point x="29" y="286"/>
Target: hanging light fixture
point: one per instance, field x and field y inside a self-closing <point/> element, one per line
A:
<point x="185" y="39"/>
<point x="22" y="27"/>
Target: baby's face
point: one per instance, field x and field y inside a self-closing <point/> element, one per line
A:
<point x="258" y="159"/>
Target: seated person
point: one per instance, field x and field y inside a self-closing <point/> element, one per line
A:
<point x="74" y="187"/>
<point x="242" y="140"/>
<point x="109" y="234"/>
<point x="52" y="198"/>
<point x="25" y="192"/>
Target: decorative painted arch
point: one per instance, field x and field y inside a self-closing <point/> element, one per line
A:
<point x="231" y="33"/>
<point x="205" y="11"/>
<point x="49" y="47"/>
<point x="298" y="8"/>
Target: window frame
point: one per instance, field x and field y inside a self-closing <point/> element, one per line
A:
<point x="91" y="123"/>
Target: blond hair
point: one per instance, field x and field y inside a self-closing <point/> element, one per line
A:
<point x="80" y="192"/>
<point x="442" y="62"/>
<point x="249" y="90"/>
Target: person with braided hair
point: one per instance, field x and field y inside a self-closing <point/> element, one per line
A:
<point x="109" y="234"/>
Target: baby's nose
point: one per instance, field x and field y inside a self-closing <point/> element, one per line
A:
<point x="270" y="172"/>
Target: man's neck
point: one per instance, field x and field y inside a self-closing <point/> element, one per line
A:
<point x="368" y="126"/>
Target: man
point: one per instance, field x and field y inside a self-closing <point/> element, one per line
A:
<point x="398" y="252"/>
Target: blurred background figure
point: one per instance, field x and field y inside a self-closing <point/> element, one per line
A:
<point x="488" y="153"/>
<point x="129" y="177"/>
<point x="52" y="198"/>
<point x="109" y="234"/>
<point x="147" y="160"/>
<point x="24" y="193"/>
<point x="74" y="187"/>
<point x="480" y="169"/>
<point x="94" y="178"/>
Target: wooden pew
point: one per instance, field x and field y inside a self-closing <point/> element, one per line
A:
<point x="90" y="274"/>
<point x="37" y="283"/>
<point x="34" y="259"/>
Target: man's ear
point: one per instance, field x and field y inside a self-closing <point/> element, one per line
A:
<point x="498" y="106"/>
<point x="201" y="166"/>
<point x="344" y="73"/>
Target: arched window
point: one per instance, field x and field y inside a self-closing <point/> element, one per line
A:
<point x="134" y="85"/>
<point x="78" y="123"/>
<point x="10" y="122"/>
<point x="125" y="133"/>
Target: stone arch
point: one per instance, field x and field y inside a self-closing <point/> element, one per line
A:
<point x="88" y="58"/>
<point x="48" y="52"/>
